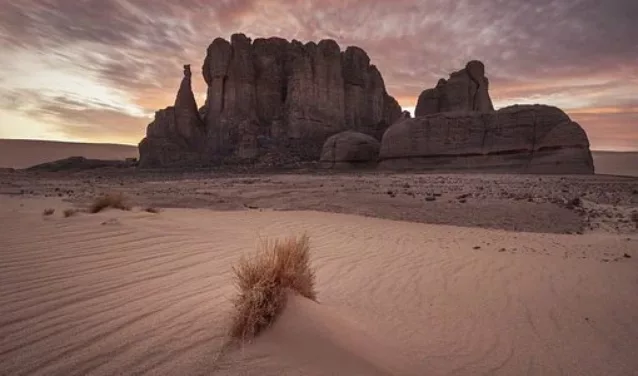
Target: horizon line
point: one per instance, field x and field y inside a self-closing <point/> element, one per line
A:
<point x="136" y="145"/>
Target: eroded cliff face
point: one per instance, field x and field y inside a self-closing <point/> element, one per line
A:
<point x="520" y="138"/>
<point x="270" y="96"/>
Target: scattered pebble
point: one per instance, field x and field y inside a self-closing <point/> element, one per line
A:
<point x="574" y="203"/>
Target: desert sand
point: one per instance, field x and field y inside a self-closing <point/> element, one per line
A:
<point x="445" y="275"/>
<point x="26" y="153"/>
<point x="417" y="274"/>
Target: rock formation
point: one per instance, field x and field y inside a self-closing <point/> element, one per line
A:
<point x="456" y="127"/>
<point x="275" y="102"/>
<point x="269" y="96"/>
<point x="349" y="149"/>
<point x="175" y="137"/>
<point x="465" y="90"/>
<point x="520" y="138"/>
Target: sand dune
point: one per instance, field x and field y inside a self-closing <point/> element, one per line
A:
<point x="26" y="153"/>
<point x="140" y="293"/>
<point x="320" y="340"/>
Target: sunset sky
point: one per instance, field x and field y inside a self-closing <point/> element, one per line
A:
<point x="96" y="70"/>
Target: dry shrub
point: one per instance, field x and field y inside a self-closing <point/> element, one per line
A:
<point x="111" y="200"/>
<point x="48" y="212"/>
<point x="153" y="210"/>
<point x="69" y="213"/>
<point x="264" y="280"/>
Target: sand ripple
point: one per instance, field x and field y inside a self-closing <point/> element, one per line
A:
<point x="136" y="293"/>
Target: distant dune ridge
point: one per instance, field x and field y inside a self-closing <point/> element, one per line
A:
<point x="616" y="163"/>
<point x="27" y="153"/>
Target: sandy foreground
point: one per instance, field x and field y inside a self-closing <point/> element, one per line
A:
<point x="132" y="293"/>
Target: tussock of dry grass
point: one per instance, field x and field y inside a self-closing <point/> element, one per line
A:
<point x="264" y="280"/>
<point x="112" y="200"/>
<point x="69" y="213"/>
<point x="48" y="212"/>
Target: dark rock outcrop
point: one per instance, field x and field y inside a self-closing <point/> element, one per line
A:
<point x="465" y="90"/>
<point x="270" y="96"/>
<point x="349" y="149"/>
<point x="188" y="125"/>
<point x="456" y="127"/>
<point x="520" y="138"/>
<point x="176" y="135"/>
<point x="79" y="163"/>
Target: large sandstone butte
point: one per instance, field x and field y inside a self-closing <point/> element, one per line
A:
<point x="520" y="138"/>
<point x="266" y="99"/>
<point x="456" y="127"/>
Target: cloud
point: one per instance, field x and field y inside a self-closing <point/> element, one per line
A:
<point x="95" y="124"/>
<point x="77" y="118"/>
<point x="572" y="53"/>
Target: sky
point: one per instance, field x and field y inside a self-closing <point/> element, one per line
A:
<point x="97" y="70"/>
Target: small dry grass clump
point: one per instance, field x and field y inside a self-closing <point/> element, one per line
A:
<point x="152" y="209"/>
<point x="69" y="213"/>
<point x="48" y="212"/>
<point x="112" y="200"/>
<point x="264" y="280"/>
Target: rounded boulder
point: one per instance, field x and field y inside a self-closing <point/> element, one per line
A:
<point x="349" y="149"/>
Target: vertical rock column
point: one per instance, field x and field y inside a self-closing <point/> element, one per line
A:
<point x="188" y="124"/>
<point x="215" y="72"/>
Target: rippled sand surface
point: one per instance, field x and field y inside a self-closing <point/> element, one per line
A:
<point x="138" y="293"/>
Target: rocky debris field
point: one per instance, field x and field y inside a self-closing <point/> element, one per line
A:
<point x="535" y="203"/>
